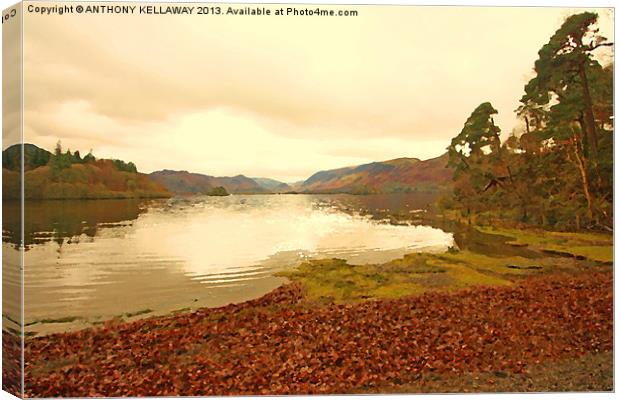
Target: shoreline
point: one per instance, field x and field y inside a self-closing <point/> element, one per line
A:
<point x="481" y="330"/>
<point x="499" y="309"/>
<point x="503" y="260"/>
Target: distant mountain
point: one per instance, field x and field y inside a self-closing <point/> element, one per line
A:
<point x="273" y="185"/>
<point x="71" y="176"/>
<point x="188" y="182"/>
<point x="393" y="176"/>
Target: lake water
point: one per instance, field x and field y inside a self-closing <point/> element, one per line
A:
<point x="89" y="261"/>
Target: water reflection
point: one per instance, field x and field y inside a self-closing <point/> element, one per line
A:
<point x="94" y="260"/>
<point x="63" y="221"/>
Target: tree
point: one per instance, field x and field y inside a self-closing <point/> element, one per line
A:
<point x="58" y="149"/>
<point x="60" y="161"/>
<point x="218" y="191"/>
<point x="123" y="166"/>
<point x="468" y="155"/>
<point x="570" y="91"/>
<point x="564" y="64"/>
<point x="479" y="134"/>
<point x="89" y="157"/>
<point x="558" y="170"/>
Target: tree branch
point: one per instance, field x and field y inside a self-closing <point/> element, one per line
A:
<point x="591" y="48"/>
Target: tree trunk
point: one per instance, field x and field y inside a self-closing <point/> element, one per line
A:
<point x="527" y="124"/>
<point x="589" y="114"/>
<point x="585" y="180"/>
<point x="577" y="222"/>
<point x="586" y="142"/>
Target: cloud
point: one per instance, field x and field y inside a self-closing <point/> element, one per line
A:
<point x="391" y="77"/>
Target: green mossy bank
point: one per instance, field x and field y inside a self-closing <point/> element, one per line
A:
<point x="517" y="254"/>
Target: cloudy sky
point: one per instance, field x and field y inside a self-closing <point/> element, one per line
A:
<point x="280" y="97"/>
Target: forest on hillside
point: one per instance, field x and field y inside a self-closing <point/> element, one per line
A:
<point x="67" y="175"/>
<point x="558" y="171"/>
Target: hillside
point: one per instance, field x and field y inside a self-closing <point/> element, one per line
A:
<point x="68" y="176"/>
<point x="34" y="157"/>
<point x="393" y="176"/>
<point x="273" y="185"/>
<point x="188" y="182"/>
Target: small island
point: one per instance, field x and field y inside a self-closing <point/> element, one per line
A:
<point x="218" y="191"/>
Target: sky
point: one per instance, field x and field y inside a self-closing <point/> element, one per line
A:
<point x="279" y="97"/>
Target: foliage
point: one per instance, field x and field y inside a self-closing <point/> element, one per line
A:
<point x="280" y="344"/>
<point x="478" y="134"/>
<point x="34" y="157"/>
<point x="592" y="246"/>
<point x="60" y="160"/>
<point x="218" y="191"/>
<point x="558" y="172"/>
<point x="588" y="373"/>
<point x="11" y="362"/>
<point x="96" y="180"/>
<point x="89" y="157"/>
<point x="67" y="175"/>
<point x="123" y="166"/>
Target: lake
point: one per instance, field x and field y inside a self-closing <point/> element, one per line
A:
<point x="90" y="261"/>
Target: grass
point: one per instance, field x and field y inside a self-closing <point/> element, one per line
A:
<point x="17" y="332"/>
<point x="68" y="319"/>
<point x="592" y="246"/>
<point x="11" y="319"/>
<point x="181" y="310"/>
<point x="521" y="253"/>
<point x="335" y="279"/>
<point x="136" y="313"/>
<point x="62" y="320"/>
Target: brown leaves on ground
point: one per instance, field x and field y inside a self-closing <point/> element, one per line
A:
<point x="11" y="363"/>
<point x="592" y="372"/>
<point x="280" y="344"/>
